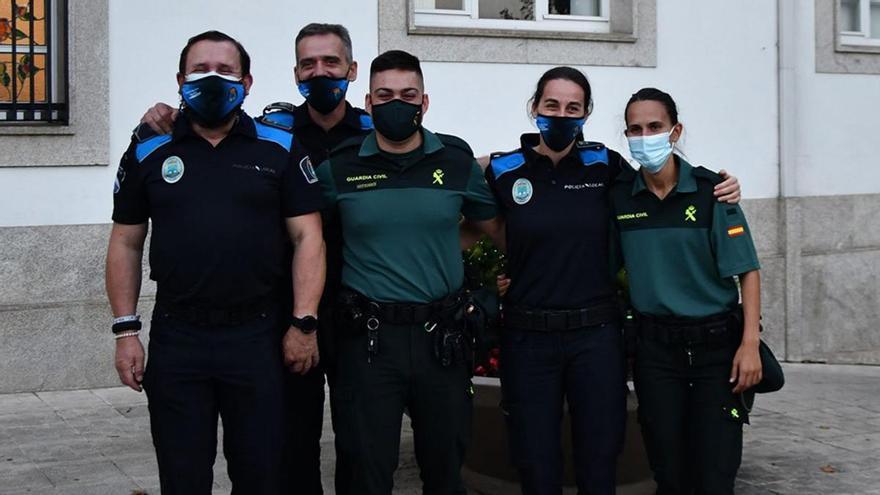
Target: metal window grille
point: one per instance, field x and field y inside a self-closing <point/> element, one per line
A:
<point x="33" y="61"/>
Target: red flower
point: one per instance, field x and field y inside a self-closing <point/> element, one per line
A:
<point x="21" y="12"/>
<point x="5" y="29"/>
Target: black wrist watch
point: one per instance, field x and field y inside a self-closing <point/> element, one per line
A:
<point x="307" y="324"/>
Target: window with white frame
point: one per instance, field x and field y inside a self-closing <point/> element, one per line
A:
<point x="859" y="22"/>
<point x="591" y="16"/>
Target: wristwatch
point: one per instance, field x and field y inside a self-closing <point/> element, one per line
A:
<point x="307" y="324"/>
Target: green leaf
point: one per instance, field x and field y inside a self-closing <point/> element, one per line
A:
<point x="19" y="34"/>
<point x="2" y="67"/>
<point x="26" y="17"/>
<point x="5" y="79"/>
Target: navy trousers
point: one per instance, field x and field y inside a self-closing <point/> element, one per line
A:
<point x="541" y="370"/>
<point x="197" y="373"/>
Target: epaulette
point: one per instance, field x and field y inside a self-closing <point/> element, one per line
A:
<point x="266" y="132"/>
<point x="592" y="153"/>
<point x="704" y="173"/>
<point x="455" y="142"/>
<point x="278" y="115"/>
<point x="504" y="162"/>
<point x="146" y="147"/>
<point x="143" y="132"/>
<point x="366" y="122"/>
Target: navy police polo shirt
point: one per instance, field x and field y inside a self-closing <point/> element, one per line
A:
<point x="217" y="213"/>
<point x="557" y="223"/>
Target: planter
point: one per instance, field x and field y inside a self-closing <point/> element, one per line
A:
<point x="487" y="466"/>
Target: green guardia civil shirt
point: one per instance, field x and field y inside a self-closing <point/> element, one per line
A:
<point x="682" y="252"/>
<point x="400" y="215"/>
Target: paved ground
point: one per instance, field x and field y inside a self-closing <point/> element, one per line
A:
<point x="821" y="434"/>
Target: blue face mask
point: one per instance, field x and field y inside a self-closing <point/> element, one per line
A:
<point x="559" y="132"/>
<point x="323" y="93"/>
<point x="211" y="98"/>
<point x="651" y="151"/>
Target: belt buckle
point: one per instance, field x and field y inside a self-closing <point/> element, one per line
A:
<point x="556" y="320"/>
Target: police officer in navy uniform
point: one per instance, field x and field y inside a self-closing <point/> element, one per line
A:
<point x="324" y="68"/>
<point x="222" y="193"/>
<point x="561" y="339"/>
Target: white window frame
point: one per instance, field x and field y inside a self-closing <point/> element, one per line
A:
<point x="862" y="37"/>
<point x="468" y="18"/>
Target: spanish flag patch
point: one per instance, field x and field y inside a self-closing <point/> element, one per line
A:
<point x="735" y="231"/>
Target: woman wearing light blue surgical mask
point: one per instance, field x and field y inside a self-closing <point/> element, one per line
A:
<point x="561" y="339"/>
<point x="695" y="345"/>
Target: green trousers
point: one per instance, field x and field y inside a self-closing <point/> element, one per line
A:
<point x="371" y="395"/>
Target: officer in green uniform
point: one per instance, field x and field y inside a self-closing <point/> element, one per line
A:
<point x="694" y="354"/>
<point x="399" y="194"/>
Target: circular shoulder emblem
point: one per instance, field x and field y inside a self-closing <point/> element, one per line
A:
<point x="522" y="191"/>
<point x="172" y="169"/>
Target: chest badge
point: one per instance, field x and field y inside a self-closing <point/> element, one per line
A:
<point x="438" y="177"/>
<point x="172" y="169"/>
<point x="690" y="214"/>
<point x="522" y="191"/>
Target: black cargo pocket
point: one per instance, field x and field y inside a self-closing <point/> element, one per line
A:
<point x="736" y="413"/>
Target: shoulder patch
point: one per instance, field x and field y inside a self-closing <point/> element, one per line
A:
<point x="501" y="164"/>
<point x="308" y="171"/>
<point x="455" y="142"/>
<point x="704" y="173"/>
<point x="144" y="149"/>
<point x="366" y="122"/>
<point x="273" y="134"/>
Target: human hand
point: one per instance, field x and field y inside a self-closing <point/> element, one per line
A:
<point x="160" y="117"/>
<point x="746" y="371"/>
<point x="130" y="362"/>
<point x="300" y="350"/>
<point x="503" y="284"/>
<point x="728" y="191"/>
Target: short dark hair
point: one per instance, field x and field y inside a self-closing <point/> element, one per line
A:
<point x="244" y="58"/>
<point x="396" y="60"/>
<point x="568" y="74"/>
<point x="317" y="29"/>
<point x="654" y="94"/>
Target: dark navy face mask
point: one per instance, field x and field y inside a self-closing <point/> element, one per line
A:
<point x="210" y="99"/>
<point x="559" y="132"/>
<point x="323" y="93"/>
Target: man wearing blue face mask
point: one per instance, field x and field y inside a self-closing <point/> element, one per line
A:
<point x="223" y="194"/>
<point x="324" y="68"/>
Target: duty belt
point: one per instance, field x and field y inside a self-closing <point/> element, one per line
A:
<point x="713" y="329"/>
<point x="560" y="320"/>
<point x="196" y="315"/>
<point x="398" y="313"/>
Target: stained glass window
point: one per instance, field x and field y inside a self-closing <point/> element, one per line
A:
<point x="32" y="73"/>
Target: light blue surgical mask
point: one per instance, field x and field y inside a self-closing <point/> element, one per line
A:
<point x="651" y="151"/>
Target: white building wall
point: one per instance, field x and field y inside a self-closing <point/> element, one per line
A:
<point x="717" y="59"/>
<point x="836" y="126"/>
<point x="145" y="42"/>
